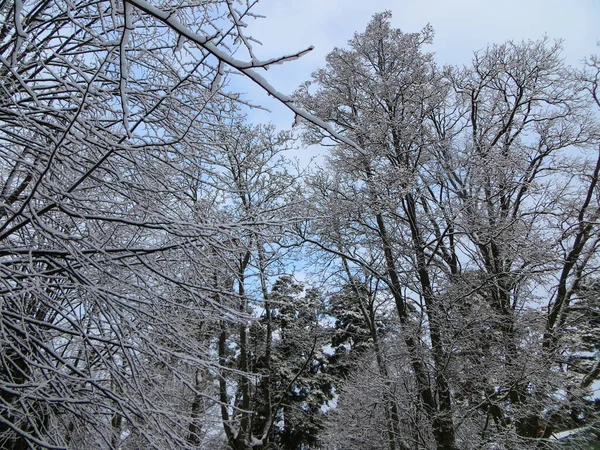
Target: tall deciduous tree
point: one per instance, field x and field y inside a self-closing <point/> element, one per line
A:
<point x="459" y="199"/>
<point x="381" y="93"/>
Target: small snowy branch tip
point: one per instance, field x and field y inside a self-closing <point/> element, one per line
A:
<point x="21" y="34"/>
<point x="215" y="85"/>
<point x="124" y="66"/>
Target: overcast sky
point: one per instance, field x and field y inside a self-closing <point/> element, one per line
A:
<point x="461" y="27"/>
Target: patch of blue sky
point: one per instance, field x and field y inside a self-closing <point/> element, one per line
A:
<point x="461" y="26"/>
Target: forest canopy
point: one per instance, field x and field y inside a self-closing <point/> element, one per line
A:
<point x="155" y="243"/>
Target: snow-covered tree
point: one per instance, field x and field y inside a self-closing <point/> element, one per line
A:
<point x="110" y="241"/>
<point x="459" y="196"/>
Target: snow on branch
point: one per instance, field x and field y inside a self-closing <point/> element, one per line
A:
<point x="245" y="67"/>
